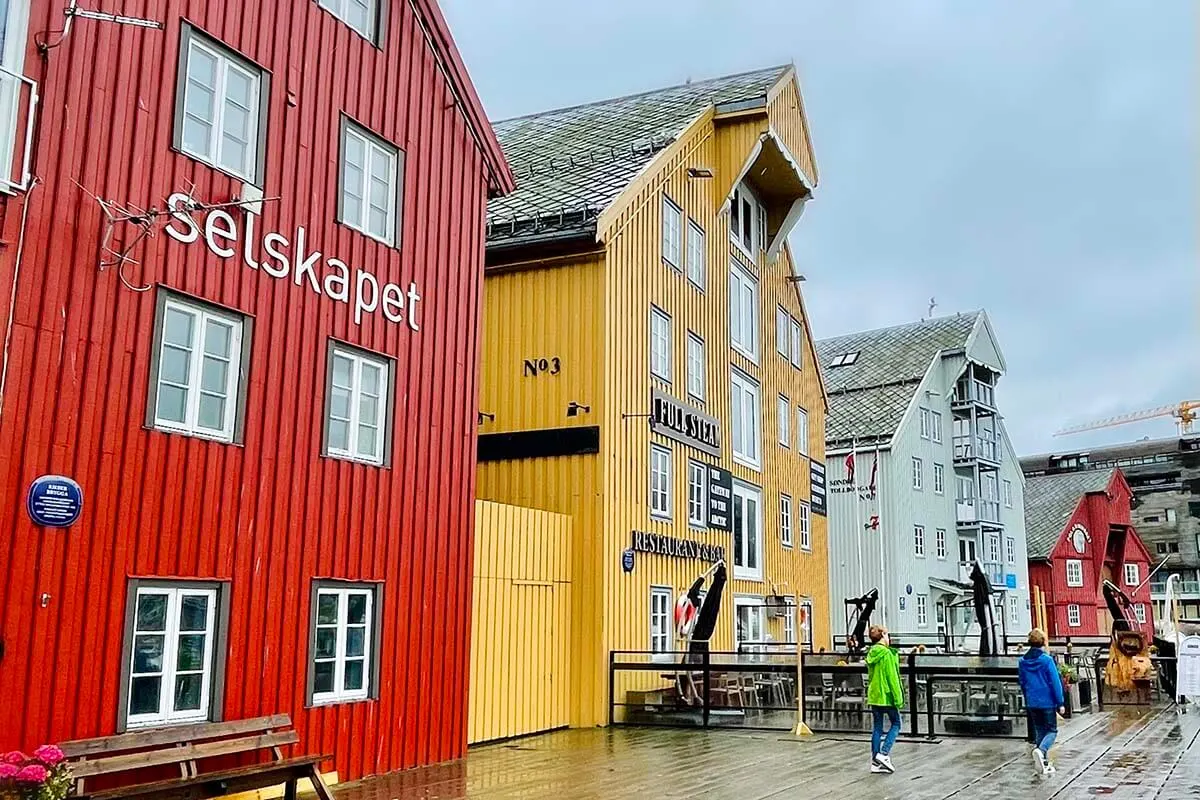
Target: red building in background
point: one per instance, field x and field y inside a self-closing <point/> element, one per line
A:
<point x="1080" y="535"/>
<point x="241" y="257"/>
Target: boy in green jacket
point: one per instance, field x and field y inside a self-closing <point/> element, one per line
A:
<point x="885" y="697"/>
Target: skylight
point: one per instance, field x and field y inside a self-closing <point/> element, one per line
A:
<point x="845" y="359"/>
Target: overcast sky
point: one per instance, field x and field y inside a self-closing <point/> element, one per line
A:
<point x="1036" y="159"/>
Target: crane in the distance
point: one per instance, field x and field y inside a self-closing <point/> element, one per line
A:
<point x="1185" y="414"/>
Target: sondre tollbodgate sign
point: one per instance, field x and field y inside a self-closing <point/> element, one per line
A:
<point x="280" y="257"/>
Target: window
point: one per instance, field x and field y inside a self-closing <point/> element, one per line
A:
<point x="1014" y="609"/>
<point x="919" y="540"/>
<point x="220" y="117"/>
<point x="1011" y="548"/>
<point x="361" y="15"/>
<point x="922" y="610"/>
<point x="174" y="635"/>
<point x="1171" y="517"/>
<point x="695" y="366"/>
<point x="1073" y="615"/>
<point x="1139" y="612"/>
<point x="805" y="619"/>
<point x="1161" y="548"/>
<point x="697" y="494"/>
<point x="14" y="18"/>
<point x="197" y="382"/>
<point x="660" y="619"/>
<point x="672" y="233"/>
<point x="940" y="537"/>
<point x="935" y="430"/>
<point x="358" y="412"/>
<point x="1074" y="572"/>
<point x="801" y="431"/>
<point x="660" y="482"/>
<point x="746" y="221"/>
<point x="660" y="344"/>
<point x="844" y="360"/>
<point x="1008" y="497"/>
<point x="783" y="417"/>
<point x="797" y="357"/>
<point x="343" y="650"/>
<point x="939" y="479"/>
<point x="918" y="476"/>
<point x="783" y="332"/>
<point x="748" y="621"/>
<point x="696" y="256"/>
<point x="804" y="512"/>
<point x="743" y="312"/>
<point x="1132" y="575"/>
<point x="993" y="543"/>
<point x="966" y="551"/>
<point x="926" y="424"/>
<point x="744" y="410"/>
<point x="371" y="177"/>
<point x="747" y="532"/>
<point x="789" y="621"/>
<point x="785" y="520"/>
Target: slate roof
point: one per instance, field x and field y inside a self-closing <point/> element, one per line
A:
<point x="571" y="163"/>
<point x="1051" y="499"/>
<point x="868" y="398"/>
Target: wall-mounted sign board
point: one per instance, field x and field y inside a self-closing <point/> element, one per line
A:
<point x="54" y="501"/>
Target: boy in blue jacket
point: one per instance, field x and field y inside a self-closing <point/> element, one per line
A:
<point x="1043" y="697"/>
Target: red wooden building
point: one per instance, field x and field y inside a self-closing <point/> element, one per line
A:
<point x="1080" y="535"/>
<point x="240" y="280"/>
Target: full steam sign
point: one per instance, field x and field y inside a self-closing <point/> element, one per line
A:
<point x="281" y="257"/>
<point x="684" y="424"/>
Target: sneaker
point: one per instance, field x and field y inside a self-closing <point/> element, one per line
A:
<point x="1049" y="769"/>
<point x="885" y="761"/>
<point x="877" y="767"/>
<point x="1040" y="759"/>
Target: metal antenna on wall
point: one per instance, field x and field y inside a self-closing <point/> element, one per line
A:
<point x="73" y="10"/>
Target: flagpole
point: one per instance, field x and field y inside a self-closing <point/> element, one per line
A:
<point x="858" y="525"/>
<point x="879" y="531"/>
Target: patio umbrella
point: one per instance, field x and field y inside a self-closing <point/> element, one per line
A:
<point x="864" y="608"/>
<point x="981" y="592"/>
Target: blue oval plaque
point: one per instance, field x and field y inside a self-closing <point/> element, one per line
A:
<point x="627" y="560"/>
<point x="55" y="501"/>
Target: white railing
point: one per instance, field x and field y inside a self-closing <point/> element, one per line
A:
<point x="992" y="569"/>
<point x="974" y="509"/>
<point x="16" y="129"/>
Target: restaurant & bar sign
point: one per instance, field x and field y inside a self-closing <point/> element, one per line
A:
<point x="663" y="545"/>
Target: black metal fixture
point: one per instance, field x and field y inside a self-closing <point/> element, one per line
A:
<point x="575" y="409"/>
<point x="484" y="415"/>
<point x="699" y="172"/>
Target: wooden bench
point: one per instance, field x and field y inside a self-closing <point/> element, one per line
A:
<point x="185" y="745"/>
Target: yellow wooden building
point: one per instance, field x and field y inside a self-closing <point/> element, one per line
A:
<point x="648" y="369"/>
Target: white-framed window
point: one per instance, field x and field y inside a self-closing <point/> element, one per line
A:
<point x="695" y="367"/>
<point x="797" y="357"/>
<point x="1139" y="612"/>
<point x="919" y="540"/>
<point x="1010" y="545"/>
<point x="993" y="543"/>
<point x="372" y="172"/>
<point x="783" y="332"/>
<point x="1132" y="575"/>
<point x="745" y="411"/>
<point x="1008" y="495"/>
<point x="844" y="359"/>
<point x="743" y="312"/>
<point x="14" y="41"/>
<point x="1172" y="518"/>
<point x="966" y="551"/>
<point x="343" y="627"/>
<point x="198" y="376"/>
<point x="172" y="632"/>
<point x="1073" y="615"/>
<point x="357" y="422"/>
<point x="672" y="232"/>
<point x="935" y="428"/>
<point x="660" y="619"/>
<point x="926" y="424"/>
<point x="697" y="494"/>
<point x="918" y="473"/>
<point x="660" y="343"/>
<point x="749" y="625"/>
<point x="804" y="518"/>
<point x="922" y="610"/>
<point x="746" y="221"/>
<point x="939" y="479"/>
<point x="747" y="532"/>
<point x="1014" y="609"/>
<point x="361" y="15"/>
<point x="783" y="418"/>
<point x="789" y="621"/>
<point x="1074" y="572"/>
<point x="697" y="255"/>
<point x="801" y="431"/>
<point x="940" y="542"/>
<point x="221" y="117"/>
<point x="660" y="482"/>
<point x="785" y="520"/>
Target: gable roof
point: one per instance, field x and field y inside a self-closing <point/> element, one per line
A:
<point x="867" y="399"/>
<point x="570" y="163"/>
<point x="1050" y="500"/>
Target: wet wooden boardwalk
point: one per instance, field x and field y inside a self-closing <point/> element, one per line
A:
<point x="1123" y="755"/>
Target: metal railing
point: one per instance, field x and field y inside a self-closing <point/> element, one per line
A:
<point x="16" y="175"/>
<point x="1185" y="587"/>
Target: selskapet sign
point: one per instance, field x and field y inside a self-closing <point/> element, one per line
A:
<point x="281" y="257"/>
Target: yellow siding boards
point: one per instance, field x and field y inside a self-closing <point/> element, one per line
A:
<point x="521" y="624"/>
<point x="785" y="109"/>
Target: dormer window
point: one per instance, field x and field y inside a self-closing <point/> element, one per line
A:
<point x="747" y="221"/>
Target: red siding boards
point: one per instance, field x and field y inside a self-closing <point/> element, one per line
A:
<point x="1109" y="542"/>
<point x="271" y="514"/>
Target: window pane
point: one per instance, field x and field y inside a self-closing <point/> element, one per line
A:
<point x="368" y="408"/>
<point x="202" y="67"/>
<point x="235" y="155"/>
<point x="356" y="611"/>
<point x="354" y="675"/>
<point x="214" y="375"/>
<point x="191" y="652"/>
<point x="144" y="694"/>
<point x="217" y="337"/>
<point x="751" y="533"/>
<point x="175" y="365"/>
<point x="196" y="136"/>
<point x="327" y="609"/>
<point x="177" y="327"/>
<point x="193" y="613"/>
<point x="366" y="440"/>
<point x="323" y="677"/>
<point x="212" y="413"/>
<point x="187" y="692"/>
<point x="355" y="641"/>
<point x="339" y="435"/>
<point x="326" y="643"/>
<point x="377" y="223"/>
<point x="172" y="402"/>
<point x="152" y="612"/>
<point x="370" y="379"/>
<point x="148" y="653"/>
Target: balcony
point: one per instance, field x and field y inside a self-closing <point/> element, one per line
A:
<point x="18" y="104"/>
<point x="1189" y="590"/>
<point x="973" y="391"/>
<point x="981" y="447"/>
<point x="974" y="511"/>
<point x="993" y="569"/>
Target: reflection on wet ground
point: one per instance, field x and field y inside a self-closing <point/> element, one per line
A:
<point x="1129" y="754"/>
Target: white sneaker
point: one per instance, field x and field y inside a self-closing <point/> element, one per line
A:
<point x="885" y="761"/>
<point x="1048" y="769"/>
<point x="877" y="767"/>
<point x="1040" y="759"/>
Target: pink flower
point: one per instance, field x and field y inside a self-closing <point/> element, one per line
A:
<point x="32" y="773"/>
<point x="14" y="757"/>
<point x="49" y="755"/>
<point x="8" y="770"/>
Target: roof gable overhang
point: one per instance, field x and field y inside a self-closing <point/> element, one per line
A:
<point x="776" y="177"/>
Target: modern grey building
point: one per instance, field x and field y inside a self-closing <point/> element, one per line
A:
<point x="935" y="483"/>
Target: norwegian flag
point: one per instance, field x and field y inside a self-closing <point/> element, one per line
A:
<point x="873" y="525"/>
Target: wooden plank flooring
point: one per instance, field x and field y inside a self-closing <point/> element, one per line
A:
<point x="1128" y="754"/>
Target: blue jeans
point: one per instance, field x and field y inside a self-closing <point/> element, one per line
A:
<point x="1045" y="727"/>
<point x="893" y="715"/>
